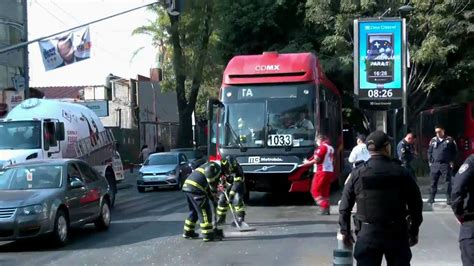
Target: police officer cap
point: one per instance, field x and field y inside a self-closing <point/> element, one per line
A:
<point x="377" y="140"/>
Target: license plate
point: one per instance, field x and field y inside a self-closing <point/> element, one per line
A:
<point x="280" y="140"/>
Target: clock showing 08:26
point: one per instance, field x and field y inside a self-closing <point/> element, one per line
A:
<point x="380" y="93"/>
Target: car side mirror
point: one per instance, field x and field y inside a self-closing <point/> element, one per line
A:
<point x="76" y="183"/>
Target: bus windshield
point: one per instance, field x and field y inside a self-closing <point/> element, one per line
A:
<point x="20" y="135"/>
<point x="269" y="115"/>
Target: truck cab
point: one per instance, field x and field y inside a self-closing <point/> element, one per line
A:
<point x="23" y="140"/>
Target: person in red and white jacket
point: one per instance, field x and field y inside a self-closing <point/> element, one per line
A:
<point x="324" y="173"/>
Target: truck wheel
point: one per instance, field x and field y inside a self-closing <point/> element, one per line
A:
<point x="109" y="175"/>
<point x="60" y="234"/>
<point x="103" y="221"/>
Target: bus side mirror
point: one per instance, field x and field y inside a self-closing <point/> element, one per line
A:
<point x="60" y="135"/>
<point x="210" y="107"/>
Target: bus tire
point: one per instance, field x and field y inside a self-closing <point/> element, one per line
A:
<point x="110" y="176"/>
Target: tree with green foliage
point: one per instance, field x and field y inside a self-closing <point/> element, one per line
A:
<point x="439" y="34"/>
<point x="188" y="61"/>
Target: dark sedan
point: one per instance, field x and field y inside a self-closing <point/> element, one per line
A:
<point x="195" y="156"/>
<point x="49" y="197"/>
<point x="166" y="169"/>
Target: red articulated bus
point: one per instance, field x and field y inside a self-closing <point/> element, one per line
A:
<point x="271" y="107"/>
<point x="458" y="121"/>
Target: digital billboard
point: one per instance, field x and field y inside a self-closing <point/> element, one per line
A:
<point x="379" y="63"/>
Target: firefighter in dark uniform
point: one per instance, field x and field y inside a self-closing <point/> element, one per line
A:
<point x="199" y="188"/>
<point x="406" y="151"/>
<point x="235" y="188"/>
<point x="441" y="155"/>
<point x="463" y="207"/>
<point x="389" y="207"/>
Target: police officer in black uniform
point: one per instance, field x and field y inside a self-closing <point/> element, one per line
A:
<point x="441" y="155"/>
<point x="389" y="207"/>
<point x="200" y="188"/>
<point x="406" y="151"/>
<point x="463" y="207"/>
<point x="235" y="189"/>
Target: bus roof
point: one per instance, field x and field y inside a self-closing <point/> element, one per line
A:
<point x="272" y="67"/>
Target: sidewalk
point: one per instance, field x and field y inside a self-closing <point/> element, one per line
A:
<point x="440" y="201"/>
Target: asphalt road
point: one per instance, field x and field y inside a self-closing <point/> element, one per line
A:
<point x="147" y="228"/>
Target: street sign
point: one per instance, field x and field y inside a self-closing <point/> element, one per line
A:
<point x="380" y="63"/>
<point x="101" y="108"/>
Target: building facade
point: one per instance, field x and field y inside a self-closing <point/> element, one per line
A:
<point x="13" y="64"/>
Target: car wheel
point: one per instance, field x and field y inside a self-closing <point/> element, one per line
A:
<point x="103" y="221"/>
<point x="109" y="175"/>
<point x="141" y="189"/>
<point x="60" y="235"/>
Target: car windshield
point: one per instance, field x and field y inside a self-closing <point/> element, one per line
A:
<point x="190" y="155"/>
<point x="20" y="135"/>
<point x="160" y="159"/>
<point x="31" y="177"/>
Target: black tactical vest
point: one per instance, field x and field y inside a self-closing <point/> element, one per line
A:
<point x="379" y="191"/>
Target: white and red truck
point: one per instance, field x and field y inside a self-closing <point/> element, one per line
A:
<point x="50" y="129"/>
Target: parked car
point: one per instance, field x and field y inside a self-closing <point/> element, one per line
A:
<point x="165" y="169"/>
<point x="49" y="197"/>
<point x="195" y="157"/>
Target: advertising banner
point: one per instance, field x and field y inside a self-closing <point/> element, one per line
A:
<point x="379" y="63"/>
<point x="101" y="107"/>
<point x="66" y="49"/>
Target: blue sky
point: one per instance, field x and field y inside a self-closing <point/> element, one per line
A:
<point x="112" y="42"/>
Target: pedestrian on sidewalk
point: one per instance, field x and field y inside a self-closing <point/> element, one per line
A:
<point x="386" y="194"/>
<point x="159" y="147"/>
<point x="359" y="152"/>
<point x="463" y="207"/>
<point x="323" y="158"/>
<point x="144" y="153"/>
<point x="441" y="155"/>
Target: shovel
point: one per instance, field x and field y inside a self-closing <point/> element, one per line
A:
<point x="242" y="226"/>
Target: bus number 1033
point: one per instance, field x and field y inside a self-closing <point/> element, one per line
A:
<point x="380" y="93"/>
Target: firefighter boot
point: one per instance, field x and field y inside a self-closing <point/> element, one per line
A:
<point x="220" y="219"/>
<point x="218" y="234"/>
<point x="211" y="237"/>
<point x="190" y="235"/>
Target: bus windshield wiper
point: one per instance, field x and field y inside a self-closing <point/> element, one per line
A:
<point x="236" y="137"/>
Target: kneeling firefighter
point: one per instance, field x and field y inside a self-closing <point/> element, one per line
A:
<point x="200" y="188"/>
<point x="234" y="183"/>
